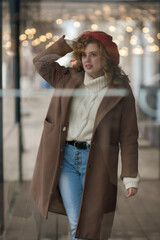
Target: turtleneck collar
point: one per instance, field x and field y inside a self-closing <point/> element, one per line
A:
<point x="95" y="84"/>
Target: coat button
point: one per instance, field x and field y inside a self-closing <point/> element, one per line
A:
<point x="77" y="153"/>
<point x="64" y="129"/>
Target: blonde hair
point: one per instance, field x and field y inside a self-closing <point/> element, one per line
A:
<point x="113" y="73"/>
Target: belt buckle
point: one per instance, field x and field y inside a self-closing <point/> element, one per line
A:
<point x="75" y="144"/>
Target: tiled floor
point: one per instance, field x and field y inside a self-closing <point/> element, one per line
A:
<point x="137" y="218"/>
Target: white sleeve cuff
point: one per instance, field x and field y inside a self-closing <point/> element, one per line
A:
<point x="131" y="182"/>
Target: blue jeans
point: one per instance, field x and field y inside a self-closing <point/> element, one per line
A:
<point x="71" y="182"/>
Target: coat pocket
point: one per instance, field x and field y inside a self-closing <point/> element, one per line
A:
<point x="48" y="124"/>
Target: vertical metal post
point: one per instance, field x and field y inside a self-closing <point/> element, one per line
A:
<point x="1" y="134"/>
<point x="15" y="31"/>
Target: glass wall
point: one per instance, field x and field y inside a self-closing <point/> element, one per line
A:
<point x="135" y="29"/>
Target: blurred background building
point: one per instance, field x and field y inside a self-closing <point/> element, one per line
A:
<point x="26" y="28"/>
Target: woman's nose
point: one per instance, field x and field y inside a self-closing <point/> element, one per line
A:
<point x="87" y="58"/>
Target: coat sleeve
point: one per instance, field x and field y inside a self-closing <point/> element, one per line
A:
<point x="129" y="137"/>
<point x="45" y="63"/>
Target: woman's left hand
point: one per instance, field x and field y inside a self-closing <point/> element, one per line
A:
<point x="131" y="192"/>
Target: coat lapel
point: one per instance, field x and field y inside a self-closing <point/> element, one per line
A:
<point x="109" y="101"/>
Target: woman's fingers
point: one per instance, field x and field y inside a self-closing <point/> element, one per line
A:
<point x="131" y="192"/>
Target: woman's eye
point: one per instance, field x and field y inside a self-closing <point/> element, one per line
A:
<point x="94" y="54"/>
<point x="83" y="55"/>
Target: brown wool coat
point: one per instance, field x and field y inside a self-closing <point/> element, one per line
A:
<point x="115" y="127"/>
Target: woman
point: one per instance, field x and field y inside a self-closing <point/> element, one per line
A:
<point x="76" y="167"/>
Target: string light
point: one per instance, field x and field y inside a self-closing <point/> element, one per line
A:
<point x="22" y="37"/>
<point x="138" y="50"/>
<point x="49" y="35"/>
<point x="30" y="31"/>
<point x="94" y="26"/>
<point x="129" y="29"/>
<point x="107" y="9"/>
<point x="128" y="19"/>
<point x="158" y="35"/>
<point x="49" y="44"/>
<point x="145" y="29"/>
<point x="152" y="48"/>
<point x="133" y="40"/>
<point x="25" y="43"/>
<point x="123" y="52"/>
<point x="76" y="24"/>
<point x="8" y="44"/>
<point x="59" y="21"/>
<point x="120" y="38"/>
<point x="111" y="19"/>
<point x="30" y="36"/>
<point x="150" y="39"/>
<point x="112" y="28"/>
<point x="33" y="31"/>
<point x="55" y="38"/>
<point x="42" y="38"/>
<point x="98" y="12"/>
<point x="36" y="42"/>
<point x="27" y="31"/>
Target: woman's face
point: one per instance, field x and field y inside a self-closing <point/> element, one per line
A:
<point x="91" y="60"/>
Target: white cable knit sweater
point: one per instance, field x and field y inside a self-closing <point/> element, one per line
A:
<point x="84" y="109"/>
<point x="83" y="113"/>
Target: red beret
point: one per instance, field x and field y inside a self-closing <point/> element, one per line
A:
<point x="106" y="40"/>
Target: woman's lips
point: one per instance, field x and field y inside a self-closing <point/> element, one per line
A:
<point x="88" y="66"/>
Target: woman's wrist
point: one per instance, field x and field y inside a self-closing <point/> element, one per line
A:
<point x="131" y="182"/>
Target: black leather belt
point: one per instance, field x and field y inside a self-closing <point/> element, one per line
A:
<point x="80" y="145"/>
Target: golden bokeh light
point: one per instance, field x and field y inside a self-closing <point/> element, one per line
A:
<point x="59" y="21"/>
<point x="25" y="43"/>
<point x="42" y="38"/>
<point x="77" y="24"/>
<point x="145" y="29"/>
<point x="49" y="35"/>
<point x="138" y="50"/>
<point x="112" y="28"/>
<point x="22" y="37"/>
<point x="129" y="29"/>
<point x="94" y="27"/>
<point x="123" y="52"/>
<point x="55" y="38"/>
